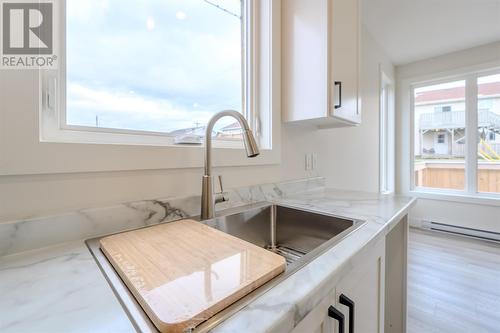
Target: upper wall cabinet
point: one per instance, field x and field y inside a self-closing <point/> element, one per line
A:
<point x="321" y="60"/>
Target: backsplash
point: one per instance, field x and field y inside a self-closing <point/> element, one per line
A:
<point x="25" y="235"/>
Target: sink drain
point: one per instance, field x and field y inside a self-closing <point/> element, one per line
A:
<point x="290" y="254"/>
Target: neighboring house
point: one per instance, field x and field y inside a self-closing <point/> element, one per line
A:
<point x="232" y="131"/>
<point x="198" y="130"/>
<point x="227" y="132"/>
<point x="440" y="121"/>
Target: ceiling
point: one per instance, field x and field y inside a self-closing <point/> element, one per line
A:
<point x="412" y="30"/>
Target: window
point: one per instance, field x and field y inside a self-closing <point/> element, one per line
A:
<point x="387" y="135"/>
<point x="441" y="138"/>
<point x="488" y="124"/>
<point x="90" y="148"/>
<point x="439" y="160"/>
<point x="158" y="69"/>
<point x="158" y="66"/>
<point x="457" y="150"/>
<point x="443" y="108"/>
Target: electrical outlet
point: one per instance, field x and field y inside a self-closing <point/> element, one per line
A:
<point x="308" y="162"/>
<point x="311" y="161"/>
<point x="314" y="161"/>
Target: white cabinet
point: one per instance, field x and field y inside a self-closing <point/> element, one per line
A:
<point x="364" y="285"/>
<point x="320" y="68"/>
<point x="317" y="321"/>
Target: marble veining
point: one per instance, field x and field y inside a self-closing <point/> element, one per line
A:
<point x="60" y="288"/>
<point x="25" y="235"/>
<point x="57" y="289"/>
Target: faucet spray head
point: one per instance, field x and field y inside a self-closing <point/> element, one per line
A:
<point x="250" y="144"/>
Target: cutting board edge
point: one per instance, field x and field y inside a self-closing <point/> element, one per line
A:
<point x="219" y="306"/>
<point x="181" y="325"/>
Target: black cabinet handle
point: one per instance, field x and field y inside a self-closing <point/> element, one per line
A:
<point x="339" y="84"/>
<point x="343" y="299"/>
<point x="337" y="315"/>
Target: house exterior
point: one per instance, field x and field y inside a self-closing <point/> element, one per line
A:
<point x="196" y="130"/>
<point x="440" y="122"/>
<point x="231" y="131"/>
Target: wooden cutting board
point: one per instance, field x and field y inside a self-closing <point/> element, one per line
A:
<point x="184" y="272"/>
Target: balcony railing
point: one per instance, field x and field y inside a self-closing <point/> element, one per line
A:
<point x="456" y="119"/>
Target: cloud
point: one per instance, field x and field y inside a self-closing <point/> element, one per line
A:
<point x="182" y="71"/>
<point x="129" y="111"/>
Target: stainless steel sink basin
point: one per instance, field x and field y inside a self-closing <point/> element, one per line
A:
<point x="290" y="232"/>
<point x="298" y="235"/>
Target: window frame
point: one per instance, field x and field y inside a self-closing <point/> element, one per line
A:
<point x="37" y="153"/>
<point x="470" y="191"/>
<point x="54" y="127"/>
<point x="387" y="139"/>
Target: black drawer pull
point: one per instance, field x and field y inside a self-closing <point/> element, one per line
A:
<point x="337" y="315"/>
<point x="343" y="299"/>
<point x="339" y="84"/>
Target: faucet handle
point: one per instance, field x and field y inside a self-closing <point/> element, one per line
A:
<point x="220" y="184"/>
<point x="221" y="196"/>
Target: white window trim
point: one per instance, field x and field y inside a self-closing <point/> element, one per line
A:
<point x="43" y="156"/>
<point x="470" y="194"/>
<point x="387" y="138"/>
<point x="454" y="196"/>
<point x="54" y="127"/>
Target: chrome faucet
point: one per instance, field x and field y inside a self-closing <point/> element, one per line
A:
<point x="208" y="199"/>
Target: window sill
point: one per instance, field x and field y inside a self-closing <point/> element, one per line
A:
<point x="103" y="136"/>
<point x="67" y="151"/>
<point x="479" y="199"/>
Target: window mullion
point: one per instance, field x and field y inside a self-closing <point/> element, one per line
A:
<point x="471" y="121"/>
<point x="249" y="58"/>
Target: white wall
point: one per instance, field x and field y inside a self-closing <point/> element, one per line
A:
<point x="484" y="215"/>
<point x="347" y="157"/>
<point x="351" y="155"/>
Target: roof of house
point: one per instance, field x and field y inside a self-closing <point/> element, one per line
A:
<point x="231" y="127"/>
<point x="485" y="89"/>
<point x="200" y="130"/>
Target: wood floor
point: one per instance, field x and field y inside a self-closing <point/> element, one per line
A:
<point x="453" y="284"/>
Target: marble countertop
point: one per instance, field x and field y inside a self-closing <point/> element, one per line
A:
<point x="60" y="288"/>
<point x="57" y="289"/>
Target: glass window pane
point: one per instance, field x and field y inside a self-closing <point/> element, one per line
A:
<point x="439" y="142"/>
<point x="154" y="65"/>
<point x="488" y="134"/>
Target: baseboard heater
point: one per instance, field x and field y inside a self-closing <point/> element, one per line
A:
<point x="462" y="231"/>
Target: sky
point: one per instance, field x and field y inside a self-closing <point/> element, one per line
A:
<point x="155" y="65"/>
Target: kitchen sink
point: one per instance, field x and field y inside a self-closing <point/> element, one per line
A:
<point x="299" y="235"/>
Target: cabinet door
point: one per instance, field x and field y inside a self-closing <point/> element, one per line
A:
<point x="304" y="59"/>
<point x="344" y="59"/>
<point x="317" y="321"/>
<point x="365" y="286"/>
